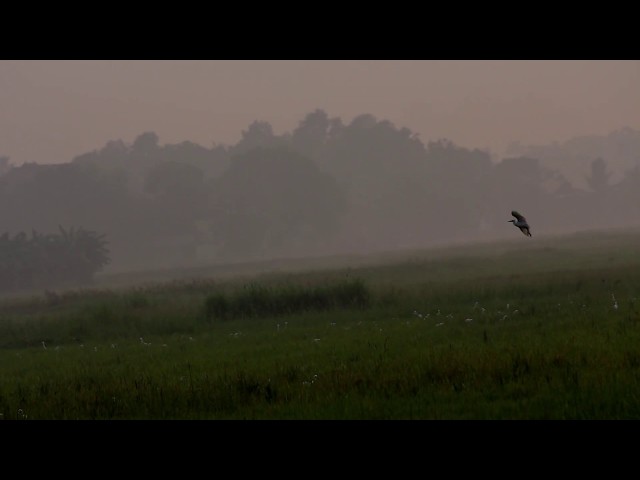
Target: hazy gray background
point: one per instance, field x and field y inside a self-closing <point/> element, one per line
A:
<point x="193" y="163"/>
<point x="51" y="111"/>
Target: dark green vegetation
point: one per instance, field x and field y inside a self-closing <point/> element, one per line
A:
<point x="259" y="301"/>
<point x="69" y="257"/>
<point x="531" y="329"/>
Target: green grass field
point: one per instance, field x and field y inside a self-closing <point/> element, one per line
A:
<point x="541" y="328"/>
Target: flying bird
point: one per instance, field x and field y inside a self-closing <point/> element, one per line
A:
<point x="521" y="223"/>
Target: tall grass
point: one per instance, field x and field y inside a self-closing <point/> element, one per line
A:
<point x="256" y="300"/>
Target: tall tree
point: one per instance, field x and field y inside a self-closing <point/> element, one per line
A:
<point x="178" y="193"/>
<point x="274" y="200"/>
<point x="310" y="136"/>
<point x="5" y="166"/>
<point x="258" y="135"/>
<point x="598" y="179"/>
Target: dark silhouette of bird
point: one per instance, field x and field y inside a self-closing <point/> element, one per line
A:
<point x="521" y="223"/>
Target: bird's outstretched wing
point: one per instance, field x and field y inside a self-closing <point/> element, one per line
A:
<point x="519" y="217"/>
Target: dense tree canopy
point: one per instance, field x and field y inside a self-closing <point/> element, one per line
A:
<point x="272" y="199"/>
<point x="325" y="187"/>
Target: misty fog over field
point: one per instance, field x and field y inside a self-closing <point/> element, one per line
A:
<point x="112" y="166"/>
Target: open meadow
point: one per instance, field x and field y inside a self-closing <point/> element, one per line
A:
<point x="541" y="328"/>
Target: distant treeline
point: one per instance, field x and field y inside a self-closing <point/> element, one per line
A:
<point x="326" y="187"/>
<point x="70" y="257"/>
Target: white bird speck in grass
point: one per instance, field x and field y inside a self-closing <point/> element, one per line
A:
<point x="316" y="339"/>
<point x="439" y="324"/>
<point x="43" y="345"/>
<point x="468" y="319"/>
<point x="333" y="324"/>
<point x="503" y="318"/>
<point x="113" y="345"/>
<point x="315" y="377"/>
<point x="483" y="310"/>
<point x="507" y="306"/>
<point x="615" y="302"/>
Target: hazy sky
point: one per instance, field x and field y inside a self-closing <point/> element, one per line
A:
<point x="51" y="111"/>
